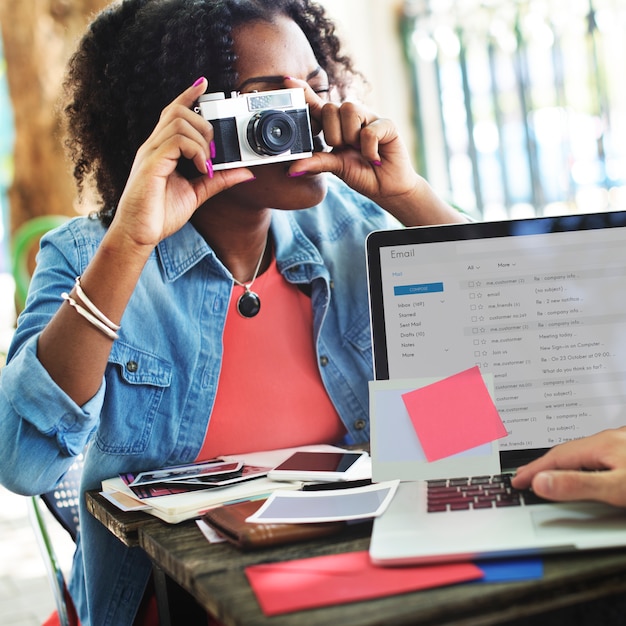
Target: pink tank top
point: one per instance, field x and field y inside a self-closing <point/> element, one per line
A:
<point x="270" y="393"/>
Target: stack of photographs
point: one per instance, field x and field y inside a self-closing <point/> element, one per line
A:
<point x="190" y="477"/>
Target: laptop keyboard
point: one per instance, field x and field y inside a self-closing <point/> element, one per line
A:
<point x="476" y="492"/>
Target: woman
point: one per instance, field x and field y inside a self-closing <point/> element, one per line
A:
<point x="157" y="354"/>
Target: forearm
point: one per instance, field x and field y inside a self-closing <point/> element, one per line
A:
<point x="421" y="207"/>
<point x="73" y="350"/>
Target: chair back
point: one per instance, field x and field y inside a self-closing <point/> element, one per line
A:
<point x="22" y="242"/>
<point x="63" y="500"/>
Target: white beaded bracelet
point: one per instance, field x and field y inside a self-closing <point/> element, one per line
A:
<point x="92" y="307"/>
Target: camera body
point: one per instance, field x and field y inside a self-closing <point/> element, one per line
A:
<point x="258" y="128"/>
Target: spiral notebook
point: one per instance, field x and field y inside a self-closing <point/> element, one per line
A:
<point x="538" y="305"/>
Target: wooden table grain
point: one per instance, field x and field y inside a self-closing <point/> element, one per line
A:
<point x="213" y="574"/>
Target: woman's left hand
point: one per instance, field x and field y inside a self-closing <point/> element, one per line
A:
<point x="369" y="156"/>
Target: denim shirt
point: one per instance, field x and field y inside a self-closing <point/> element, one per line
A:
<point x="155" y="400"/>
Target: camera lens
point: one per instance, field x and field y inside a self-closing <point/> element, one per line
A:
<point x="271" y="132"/>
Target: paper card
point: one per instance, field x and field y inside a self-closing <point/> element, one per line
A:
<point x="186" y="472"/>
<point x="340" y="578"/>
<point x="396" y="450"/>
<point x="509" y="570"/>
<point x="124" y="502"/>
<point x="209" y="533"/>
<point x="454" y="414"/>
<point x="296" y="507"/>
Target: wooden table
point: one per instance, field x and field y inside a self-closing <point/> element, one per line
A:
<point x="213" y="574"/>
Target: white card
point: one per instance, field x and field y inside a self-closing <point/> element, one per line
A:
<point x="336" y="505"/>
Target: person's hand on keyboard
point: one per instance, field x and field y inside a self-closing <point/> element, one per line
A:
<point x="591" y="468"/>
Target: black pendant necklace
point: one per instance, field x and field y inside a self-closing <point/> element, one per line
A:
<point x="249" y="303"/>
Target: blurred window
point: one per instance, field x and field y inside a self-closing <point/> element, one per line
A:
<point x="520" y="106"/>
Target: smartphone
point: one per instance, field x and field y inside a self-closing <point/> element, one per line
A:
<point x="320" y="466"/>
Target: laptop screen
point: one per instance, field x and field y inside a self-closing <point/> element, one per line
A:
<point x="539" y="304"/>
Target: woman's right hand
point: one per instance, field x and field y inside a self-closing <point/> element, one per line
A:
<point x="158" y="200"/>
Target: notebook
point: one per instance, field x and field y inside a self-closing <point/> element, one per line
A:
<point x="539" y="306"/>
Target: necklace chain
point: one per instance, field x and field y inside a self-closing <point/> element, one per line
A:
<point x="247" y="286"/>
<point x="249" y="303"/>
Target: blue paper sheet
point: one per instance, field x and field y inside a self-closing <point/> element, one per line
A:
<point x="509" y="570"/>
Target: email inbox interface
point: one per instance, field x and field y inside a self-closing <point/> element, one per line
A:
<point x="544" y="314"/>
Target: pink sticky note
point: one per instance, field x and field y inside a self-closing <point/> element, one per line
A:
<point x="340" y="578"/>
<point x="454" y="414"/>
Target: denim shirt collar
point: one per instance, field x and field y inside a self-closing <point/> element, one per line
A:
<point x="296" y="256"/>
<point x="182" y="250"/>
<point x="298" y="260"/>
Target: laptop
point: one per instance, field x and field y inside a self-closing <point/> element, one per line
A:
<point x="539" y="305"/>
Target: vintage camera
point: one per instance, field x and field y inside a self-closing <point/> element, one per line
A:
<point x="258" y="128"/>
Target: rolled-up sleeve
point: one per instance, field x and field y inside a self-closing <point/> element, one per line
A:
<point x="41" y="428"/>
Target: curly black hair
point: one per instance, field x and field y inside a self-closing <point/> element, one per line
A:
<point x="138" y="55"/>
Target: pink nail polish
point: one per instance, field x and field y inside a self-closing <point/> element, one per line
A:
<point x="212" y="149"/>
<point x="296" y="174"/>
<point x="209" y="168"/>
<point x="376" y="163"/>
<point x="199" y="81"/>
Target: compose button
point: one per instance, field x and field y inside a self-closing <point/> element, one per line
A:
<point x="415" y="290"/>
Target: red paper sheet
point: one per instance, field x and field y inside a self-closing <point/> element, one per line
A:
<point x="341" y="578"/>
<point x="454" y="414"/>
